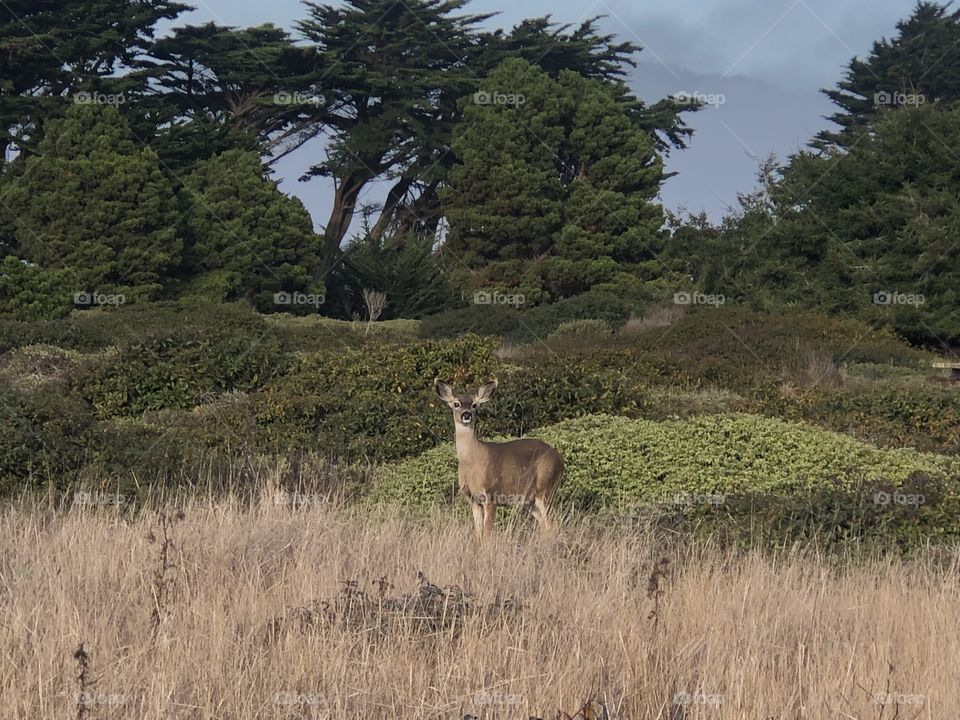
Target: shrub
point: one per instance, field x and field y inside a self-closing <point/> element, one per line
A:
<point x="606" y="305"/>
<point x="479" y="319"/>
<point x="28" y="291"/>
<point x="92" y="330"/>
<point x="622" y="463"/>
<point x="46" y="436"/>
<point x="376" y="401"/>
<point x="180" y="372"/>
<point x="581" y="328"/>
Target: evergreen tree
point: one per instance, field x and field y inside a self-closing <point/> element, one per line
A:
<point x="921" y="65"/>
<point x="244" y="238"/>
<point x="94" y="202"/>
<point x="53" y="49"/>
<point x="555" y="176"/>
<point x="213" y="88"/>
<point x="385" y="66"/>
<point x="404" y="268"/>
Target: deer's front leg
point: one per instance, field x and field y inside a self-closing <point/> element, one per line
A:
<point x="477" y="518"/>
<point x="489" y="515"/>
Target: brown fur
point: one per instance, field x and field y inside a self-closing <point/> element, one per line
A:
<point x="519" y="472"/>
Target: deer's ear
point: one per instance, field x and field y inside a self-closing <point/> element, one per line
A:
<point x="486" y="391"/>
<point x="443" y="390"/>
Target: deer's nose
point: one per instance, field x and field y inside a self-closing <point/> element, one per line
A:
<point x="466" y="416"/>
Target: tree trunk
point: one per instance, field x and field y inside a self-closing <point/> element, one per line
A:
<point x="341" y="215"/>
<point x="389" y="206"/>
<point x="422" y="215"/>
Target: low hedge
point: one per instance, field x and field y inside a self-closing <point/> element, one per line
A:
<point x="624" y="463"/>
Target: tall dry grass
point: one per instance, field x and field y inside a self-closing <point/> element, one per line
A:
<point x="240" y="611"/>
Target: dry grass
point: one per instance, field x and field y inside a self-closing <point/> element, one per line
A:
<point x="812" y="370"/>
<point x="660" y="316"/>
<point x="270" y="612"/>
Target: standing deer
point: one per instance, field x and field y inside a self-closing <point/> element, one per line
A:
<point x="525" y="471"/>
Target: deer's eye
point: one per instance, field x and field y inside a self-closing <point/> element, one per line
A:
<point x="474" y="406"/>
<point x="456" y="404"/>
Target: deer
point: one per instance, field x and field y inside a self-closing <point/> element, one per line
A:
<point x="518" y="472"/>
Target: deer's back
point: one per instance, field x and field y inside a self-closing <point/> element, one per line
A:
<point x="524" y="465"/>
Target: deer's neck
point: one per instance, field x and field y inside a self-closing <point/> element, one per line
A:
<point x="468" y="443"/>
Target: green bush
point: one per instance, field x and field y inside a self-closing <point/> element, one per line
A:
<point x="376" y="401"/>
<point x="607" y="305"/>
<point x="480" y="319"/>
<point x="180" y="372"/>
<point x="863" y="517"/>
<point x="46" y="436"/>
<point x="919" y="414"/>
<point x="28" y="291"/>
<point x="590" y="329"/>
<point x="92" y="330"/>
<point x="622" y="463"/>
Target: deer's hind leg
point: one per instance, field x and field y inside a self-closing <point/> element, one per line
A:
<point x="489" y="516"/>
<point x="541" y="511"/>
<point x="477" y="509"/>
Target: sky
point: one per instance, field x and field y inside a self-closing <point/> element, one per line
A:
<point x="760" y="64"/>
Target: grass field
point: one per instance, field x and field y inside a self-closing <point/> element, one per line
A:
<point x="242" y="610"/>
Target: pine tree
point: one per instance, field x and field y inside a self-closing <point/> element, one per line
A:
<point x="95" y="202"/>
<point x="245" y="238"/>
<point x="555" y="178"/>
<point x="921" y="65"/>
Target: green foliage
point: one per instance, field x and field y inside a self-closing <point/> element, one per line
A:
<point x="131" y="325"/>
<point x="57" y="49"/>
<point x="915" y="66"/>
<point x="244" y="238"/>
<point x="217" y="88"/>
<point x="580" y="328"/>
<point x="94" y="202"/>
<point x="29" y="292"/>
<point x="45" y="435"/>
<point x="181" y="371"/>
<point x="912" y="413"/>
<point x="869" y="515"/>
<point x="873" y="238"/>
<point x="480" y="319"/>
<point x="554" y="171"/>
<point x="616" y="462"/>
<point x="602" y="304"/>
<point x="610" y="304"/>
<point x="389" y="73"/>
<point x="403" y="267"/>
<point x="374" y="401"/>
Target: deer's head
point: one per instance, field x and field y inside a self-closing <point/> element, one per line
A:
<point x="464" y="406"/>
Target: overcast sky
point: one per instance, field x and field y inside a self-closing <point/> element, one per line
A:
<point x="762" y="62"/>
